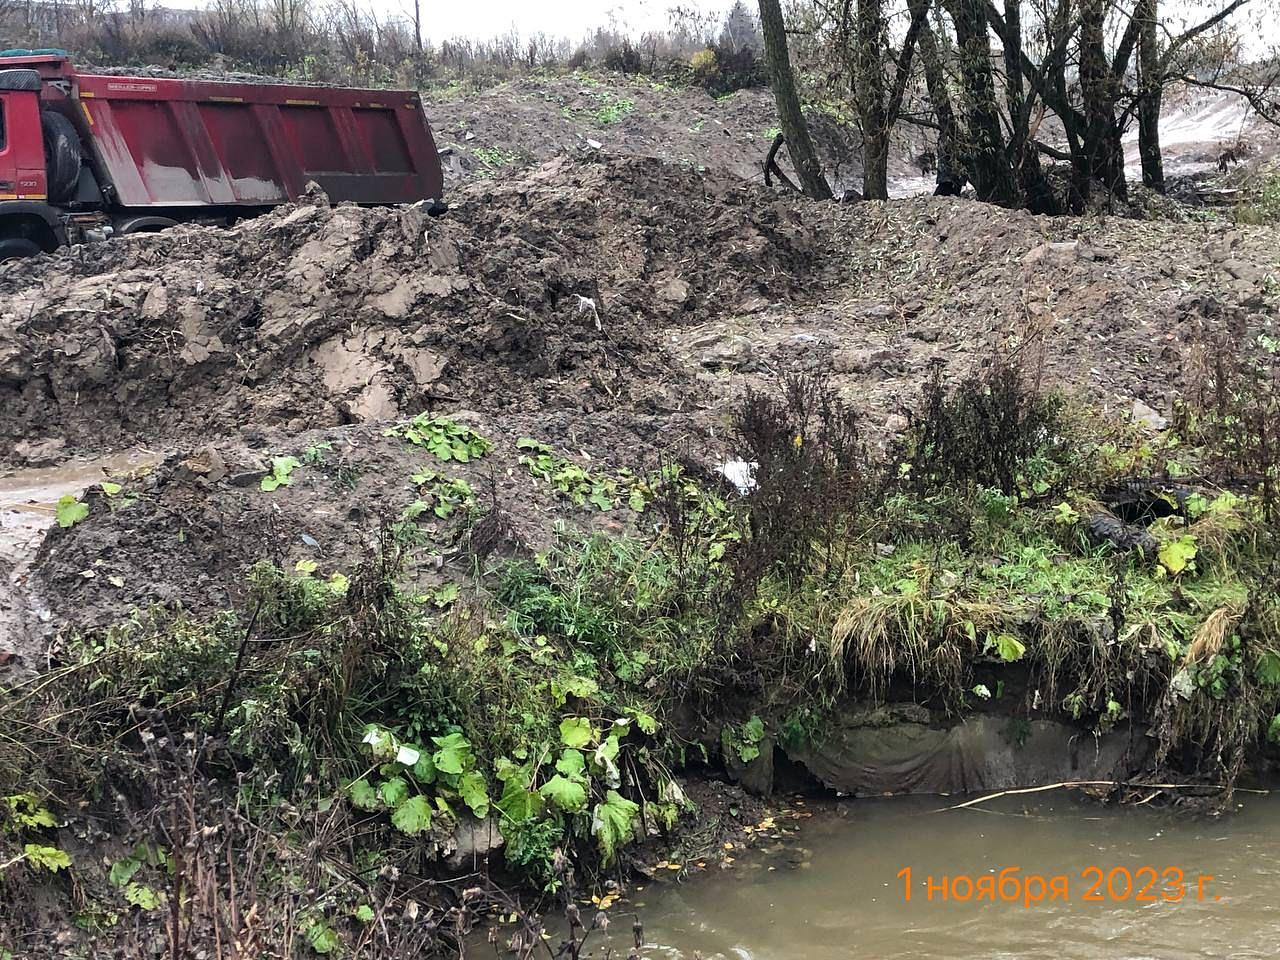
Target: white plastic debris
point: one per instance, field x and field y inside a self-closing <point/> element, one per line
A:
<point x="740" y="473"/>
<point x="588" y="305"/>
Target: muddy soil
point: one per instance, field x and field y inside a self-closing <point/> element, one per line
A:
<point x="613" y="306"/>
<point x="493" y="133"/>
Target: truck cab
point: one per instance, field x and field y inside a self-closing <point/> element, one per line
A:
<point x="25" y="221"/>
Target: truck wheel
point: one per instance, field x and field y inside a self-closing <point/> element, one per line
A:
<point x="61" y="154"/>
<point x="18" y="248"/>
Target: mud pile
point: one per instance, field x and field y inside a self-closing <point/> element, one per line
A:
<point x="544" y="290"/>
<point x="615" y="308"/>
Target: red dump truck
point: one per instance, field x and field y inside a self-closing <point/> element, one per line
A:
<point x="85" y="155"/>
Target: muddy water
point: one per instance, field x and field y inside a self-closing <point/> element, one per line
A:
<point x="846" y="900"/>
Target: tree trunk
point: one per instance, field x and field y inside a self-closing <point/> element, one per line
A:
<point x="951" y="163"/>
<point x="875" y="166"/>
<point x="869" y="92"/>
<point x="1104" y="156"/>
<point x="790" y="116"/>
<point x="1150" y="90"/>
<point x="989" y="166"/>
<point x="1036" y="189"/>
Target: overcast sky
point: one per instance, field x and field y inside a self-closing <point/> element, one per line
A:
<point x="574" y="19"/>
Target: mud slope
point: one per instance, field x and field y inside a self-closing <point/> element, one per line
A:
<point x="612" y="307"/>
<point x="621" y="284"/>
<point x="491" y="133"/>
<point x="546" y="290"/>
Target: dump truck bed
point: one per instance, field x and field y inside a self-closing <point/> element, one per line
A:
<point x="160" y="142"/>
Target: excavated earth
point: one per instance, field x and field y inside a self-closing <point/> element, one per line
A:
<point x="613" y="307"/>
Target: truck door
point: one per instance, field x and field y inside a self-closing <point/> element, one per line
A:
<point x="22" y="166"/>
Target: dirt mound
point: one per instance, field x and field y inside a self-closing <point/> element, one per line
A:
<point x="615" y="308"/>
<point x="546" y="289"/>
<point x="489" y="133"/>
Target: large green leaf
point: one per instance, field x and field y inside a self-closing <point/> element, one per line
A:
<point x="394" y="791"/>
<point x="1268" y="670"/>
<point x="1176" y="555"/>
<point x="567" y="795"/>
<point x="575" y="731"/>
<point x="142" y="896"/>
<point x="70" y="511"/>
<point x="613" y="823"/>
<point x="413" y="816"/>
<point x="454" y="754"/>
<point x="363" y="796"/>
<point x="474" y="792"/>
<point x="320" y="936"/>
<point x="1009" y="647"/>
<point x="572" y="763"/>
<point x="518" y="803"/>
<point x="48" y="858"/>
<point x="122" y="871"/>
<point x="424" y="771"/>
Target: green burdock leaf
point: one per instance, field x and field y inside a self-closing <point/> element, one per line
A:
<point x="281" y="467"/>
<point x="424" y="771"/>
<point x="413" y="816"/>
<point x="1008" y="647"/>
<point x="109" y="488"/>
<point x="753" y="730"/>
<point x="647" y="724"/>
<point x="1268" y="669"/>
<point x="364" y="913"/>
<point x="567" y="795"/>
<point x="394" y="791"/>
<point x="475" y="793"/>
<point x="142" y="896"/>
<point x="122" y="871"/>
<point x="70" y="511"/>
<point x="1176" y="555"/>
<point x="613" y="823"/>
<point x="47" y="858"/>
<point x="454" y="754"/>
<point x="571" y="763"/>
<point x="575" y="731"/>
<point x="320" y="937"/>
<point x="363" y="796"/>
<point x="519" y="804"/>
<point x="576" y="686"/>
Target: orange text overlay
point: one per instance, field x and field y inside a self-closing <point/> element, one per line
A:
<point x="1093" y="884"/>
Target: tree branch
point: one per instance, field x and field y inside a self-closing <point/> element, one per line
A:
<point x="904" y="62"/>
<point x="1195" y="31"/>
<point x="1268" y="111"/>
<point x="1053" y="152"/>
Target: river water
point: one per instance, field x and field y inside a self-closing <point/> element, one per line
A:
<point x="846" y="899"/>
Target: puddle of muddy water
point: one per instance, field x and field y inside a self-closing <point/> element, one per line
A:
<point x="847" y="899"/>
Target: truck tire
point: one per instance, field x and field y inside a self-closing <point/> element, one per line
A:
<point x="18" y="248"/>
<point x="62" y="155"/>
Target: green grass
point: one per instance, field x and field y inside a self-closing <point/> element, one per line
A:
<point x="613" y="109"/>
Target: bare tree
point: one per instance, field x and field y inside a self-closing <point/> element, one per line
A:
<point x="790" y="115"/>
<point x="879" y="104"/>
